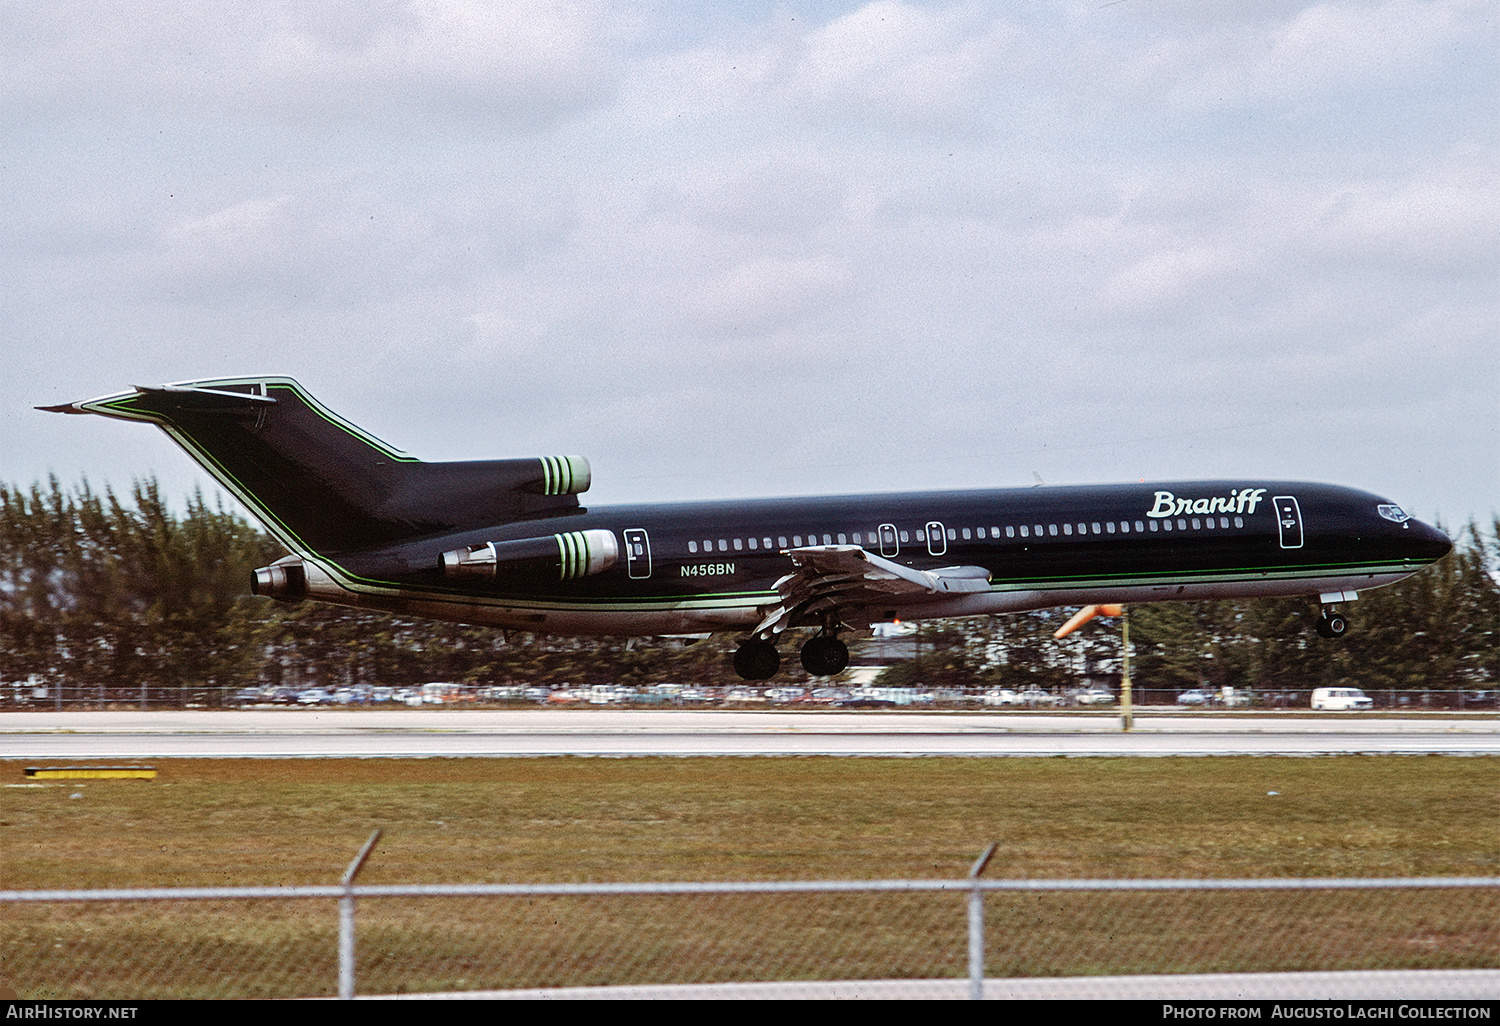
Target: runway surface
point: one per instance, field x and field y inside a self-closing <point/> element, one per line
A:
<point x="1452" y="985"/>
<point x="521" y="733"/>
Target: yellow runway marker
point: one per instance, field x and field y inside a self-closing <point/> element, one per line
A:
<point x="91" y="772"/>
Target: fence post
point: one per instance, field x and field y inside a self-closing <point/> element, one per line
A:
<point x="976" y="926"/>
<point x="346" y="920"/>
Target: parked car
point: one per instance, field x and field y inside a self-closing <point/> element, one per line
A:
<point x="1332" y="699"/>
<point x="1094" y="696"/>
<point x="1194" y="697"/>
<point x="1034" y="697"/>
<point x="1001" y="696"/>
<point x="744" y="695"/>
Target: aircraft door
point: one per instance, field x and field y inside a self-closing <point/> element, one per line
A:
<point x="889" y="546"/>
<point x="637" y="553"/>
<point x="1288" y="521"/>
<point x="937" y="539"/>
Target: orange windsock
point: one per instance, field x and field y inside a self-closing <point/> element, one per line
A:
<point x="1084" y="615"/>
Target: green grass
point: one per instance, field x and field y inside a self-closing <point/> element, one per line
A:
<point x="228" y="822"/>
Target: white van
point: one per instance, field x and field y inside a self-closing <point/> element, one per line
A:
<point x="1341" y="698"/>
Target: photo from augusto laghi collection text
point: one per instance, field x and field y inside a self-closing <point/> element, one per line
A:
<point x="1327" y="1010"/>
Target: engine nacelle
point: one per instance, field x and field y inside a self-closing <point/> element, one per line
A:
<point x="564" y="475"/>
<point x="559" y="557"/>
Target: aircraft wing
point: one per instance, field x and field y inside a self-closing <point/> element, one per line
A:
<point x="830" y="577"/>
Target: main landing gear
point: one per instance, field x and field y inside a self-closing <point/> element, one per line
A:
<point x="1331" y="624"/>
<point x="757" y="660"/>
<point x="822" y="656"/>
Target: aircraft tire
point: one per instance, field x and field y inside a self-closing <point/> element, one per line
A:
<point x="824" y="656"/>
<point x="1332" y="626"/>
<point x="757" y="660"/>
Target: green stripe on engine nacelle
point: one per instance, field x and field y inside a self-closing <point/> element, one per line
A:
<point x="573" y="555"/>
<point x="565" y="475"/>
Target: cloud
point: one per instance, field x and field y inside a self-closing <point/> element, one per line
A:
<point x="1315" y="52"/>
<point x="1443" y="219"/>
<point x="891" y="66"/>
<point x="1163" y="279"/>
<point x="644" y="227"/>
<point x="764" y="295"/>
<point x="522" y="64"/>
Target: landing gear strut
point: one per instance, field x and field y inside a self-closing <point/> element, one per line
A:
<point x="824" y="655"/>
<point x="1331" y="624"/>
<point x="757" y="660"/>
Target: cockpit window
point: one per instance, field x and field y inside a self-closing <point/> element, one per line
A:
<point x="1394" y="513"/>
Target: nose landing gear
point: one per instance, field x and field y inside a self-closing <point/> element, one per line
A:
<point x="1331" y="624"/>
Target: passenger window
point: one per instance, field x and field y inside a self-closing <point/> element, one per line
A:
<point x="1052" y="530"/>
<point x="903" y="536"/>
<point x="1068" y="529"/>
<point x="752" y="544"/>
<point x="841" y="539"/>
<point x="966" y="534"/>
<point x="1124" y="526"/>
<point x="1024" y="532"/>
<point x="1181" y="524"/>
<point x="692" y="546"/>
<point x="1010" y="532"/>
<point x="827" y="539"/>
<point x="739" y="545"/>
<point x="1166" y="525"/>
<point x="796" y="541"/>
<point x="1097" y="529"/>
<point x="780" y="541"/>
<point x="1083" y="528"/>
<point x="952" y="534"/>
<point x="1153" y="525"/>
<point x="1139" y="527"/>
<point x="723" y="545"/>
<point x="708" y="545"/>
<point x="1110" y="527"/>
<point x="1239" y="521"/>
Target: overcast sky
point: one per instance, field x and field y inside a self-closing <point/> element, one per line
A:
<point x="727" y="250"/>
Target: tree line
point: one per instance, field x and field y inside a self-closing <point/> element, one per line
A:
<point x="123" y="600"/>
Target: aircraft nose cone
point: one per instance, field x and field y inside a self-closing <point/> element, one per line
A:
<point x="1428" y="543"/>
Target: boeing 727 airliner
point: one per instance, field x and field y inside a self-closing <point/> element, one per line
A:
<point x="507" y="543"/>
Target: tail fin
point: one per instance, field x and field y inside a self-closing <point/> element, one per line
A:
<point x="319" y="483"/>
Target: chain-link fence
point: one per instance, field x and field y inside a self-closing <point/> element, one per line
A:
<point x="286" y="942"/>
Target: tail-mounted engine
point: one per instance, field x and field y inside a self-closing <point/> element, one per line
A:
<point x="285" y="579"/>
<point x="557" y="557"/>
